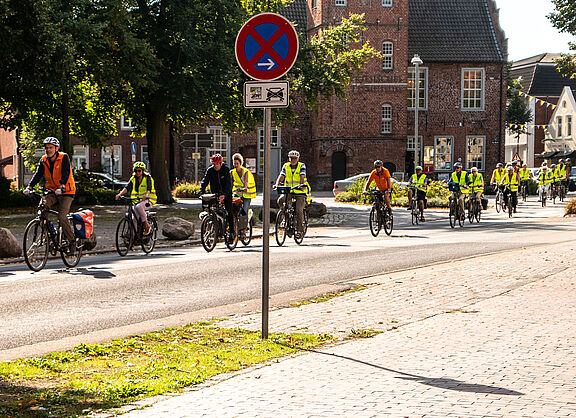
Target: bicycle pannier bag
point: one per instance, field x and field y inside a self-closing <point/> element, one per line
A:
<point x="83" y="223"/>
<point x="484" y="203"/>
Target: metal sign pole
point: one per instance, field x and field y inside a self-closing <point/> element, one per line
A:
<point x="196" y="162"/>
<point x="266" y="222"/>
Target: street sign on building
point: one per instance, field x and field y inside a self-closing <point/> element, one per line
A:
<point x="133" y="150"/>
<point x="266" y="94"/>
<point x="197" y="140"/>
<point x="266" y="46"/>
<point x="516" y="157"/>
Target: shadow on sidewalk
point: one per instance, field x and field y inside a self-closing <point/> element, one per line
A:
<point x="439" y="382"/>
<point x="96" y="272"/>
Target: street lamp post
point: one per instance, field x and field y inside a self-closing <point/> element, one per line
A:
<point x="417" y="62"/>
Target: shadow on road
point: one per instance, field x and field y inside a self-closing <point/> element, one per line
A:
<point x="96" y="272"/>
<point x="5" y="274"/>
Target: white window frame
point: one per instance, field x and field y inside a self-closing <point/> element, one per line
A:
<point x="387" y="55"/>
<point x="465" y="102"/>
<point x="423" y="81"/>
<point x="386" y="3"/>
<point x="106" y="156"/>
<point x="568" y="126"/>
<point x="126" y="123"/>
<point x="436" y="154"/>
<point x="314" y="4"/>
<point x="81" y="154"/>
<point x="144" y="157"/>
<point x="386" y="119"/>
<point x="275" y="142"/>
<point x="220" y="142"/>
<point x="482" y="154"/>
<point x="559" y="123"/>
<point x="341" y="3"/>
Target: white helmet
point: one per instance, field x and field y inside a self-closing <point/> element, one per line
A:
<point x="293" y="153"/>
<point x="52" y="140"/>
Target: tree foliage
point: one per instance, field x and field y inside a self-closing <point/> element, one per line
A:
<point x="564" y="19"/>
<point x="517" y="112"/>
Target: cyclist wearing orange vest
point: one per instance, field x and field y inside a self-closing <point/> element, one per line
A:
<point x="55" y="167"/>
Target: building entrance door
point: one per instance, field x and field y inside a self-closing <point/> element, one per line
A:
<point x="338" y="165"/>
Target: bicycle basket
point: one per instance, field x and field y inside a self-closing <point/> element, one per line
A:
<point x="283" y="189"/>
<point x="454" y="187"/>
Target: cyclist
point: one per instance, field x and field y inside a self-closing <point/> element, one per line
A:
<point x="55" y="167"/>
<point x="476" y="184"/>
<point x="243" y="180"/>
<point x="544" y="181"/>
<point x="381" y="176"/>
<point x="510" y="182"/>
<point x="293" y="174"/>
<point x="142" y="190"/>
<point x="459" y="178"/>
<point x="563" y="174"/>
<point x="525" y="175"/>
<point x="419" y="183"/>
<point x="218" y="177"/>
<point x="497" y="175"/>
<point x="555" y="175"/>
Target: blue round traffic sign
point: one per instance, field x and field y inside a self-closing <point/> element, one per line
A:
<point x="266" y="46"/>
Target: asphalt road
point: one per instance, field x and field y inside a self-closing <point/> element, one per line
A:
<point x="108" y="296"/>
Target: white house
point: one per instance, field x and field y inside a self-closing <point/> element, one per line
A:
<point x="560" y="134"/>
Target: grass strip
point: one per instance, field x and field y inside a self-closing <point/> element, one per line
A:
<point x="96" y="377"/>
<point x="330" y="295"/>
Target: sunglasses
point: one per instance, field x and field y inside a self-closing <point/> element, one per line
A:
<point x="138" y="170"/>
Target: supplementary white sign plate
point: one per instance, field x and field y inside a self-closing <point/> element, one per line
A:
<point x="266" y="94"/>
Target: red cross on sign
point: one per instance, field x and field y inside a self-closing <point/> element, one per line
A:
<point x="266" y="46"/>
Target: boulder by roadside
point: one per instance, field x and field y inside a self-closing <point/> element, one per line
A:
<point x="9" y="246"/>
<point x="177" y="228"/>
<point x="316" y="209"/>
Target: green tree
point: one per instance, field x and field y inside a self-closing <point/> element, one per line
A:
<point x="564" y="19"/>
<point x="517" y="112"/>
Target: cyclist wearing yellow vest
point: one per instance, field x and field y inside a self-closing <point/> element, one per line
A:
<point x="544" y="182"/>
<point x="55" y="167"/>
<point x="459" y="180"/>
<point x="141" y="187"/>
<point x="476" y="184"/>
<point x="525" y="175"/>
<point x="293" y="174"/>
<point x="510" y="182"/>
<point x="563" y="174"/>
<point x="497" y="175"/>
<point x="418" y="182"/>
<point x="244" y="185"/>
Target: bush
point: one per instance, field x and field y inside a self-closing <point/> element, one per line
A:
<point x="4" y="186"/>
<point x="187" y="190"/>
<point x="17" y="199"/>
<point x="570" y="208"/>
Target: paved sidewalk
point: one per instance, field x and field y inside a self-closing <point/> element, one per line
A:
<point x="487" y="336"/>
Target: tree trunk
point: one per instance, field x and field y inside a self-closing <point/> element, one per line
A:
<point x="156" y="131"/>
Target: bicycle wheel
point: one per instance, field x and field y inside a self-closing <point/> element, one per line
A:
<point x="415" y="216"/>
<point x="524" y="193"/>
<point x="70" y="258"/>
<point x="35" y="245"/>
<point x="148" y="242"/>
<point x="124" y="237"/>
<point x="452" y="214"/>
<point x="510" y="206"/>
<point x="388" y="222"/>
<point x="208" y="233"/>
<point x="471" y="211"/>
<point x="478" y="213"/>
<point x="543" y="200"/>
<point x="280" y="228"/>
<point x="230" y="240"/>
<point x="498" y="203"/>
<point x="374" y="222"/>
<point x="461" y="216"/>
<point x="247" y="237"/>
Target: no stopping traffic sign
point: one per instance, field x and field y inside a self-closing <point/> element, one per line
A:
<point x="266" y="46"/>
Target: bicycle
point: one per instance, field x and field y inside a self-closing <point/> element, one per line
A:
<point x="553" y="193"/>
<point x="42" y="238"/>
<point x="524" y="190"/>
<point x="499" y="201"/>
<point x="562" y="191"/>
<point x="455" y="213"/>
<point x="244" y="223"/>
<point x="378" y="216"/>
<point x="511" y="207"/>
<point x="214" y="223"/>
<point x="286" y="218"/>
<point x="543" y="195"/>
<point x="130" y="230"/>
<point x="474" y="208"/>
<point x="414" y="209"/>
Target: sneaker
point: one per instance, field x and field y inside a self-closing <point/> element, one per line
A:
<point x="422" y="219"/>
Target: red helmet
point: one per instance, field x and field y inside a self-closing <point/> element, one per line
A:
<point x="216" y="159"/>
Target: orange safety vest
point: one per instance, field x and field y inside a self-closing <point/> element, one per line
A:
<point x="53" y="179"/>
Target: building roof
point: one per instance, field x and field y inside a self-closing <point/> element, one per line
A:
<point x="540" y="77"/>
<point x="454" y="31"/>
<point x="296" y="12"/>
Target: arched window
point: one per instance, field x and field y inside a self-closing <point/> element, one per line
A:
<point x="386" y="119"/>
<point x="387" y="55"/>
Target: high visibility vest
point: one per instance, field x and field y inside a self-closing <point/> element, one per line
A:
<point x="544" y="178"/>
<point x="292" y="179"/>
<point x="419" y="183"/>
<point x="524" y="174"/>
<point x="511" y="182"/>
<point x="475" y="184"/>
<point x="250" y="193"/>
<point x="562" y="172"/>
<point x="497" y="176"/>
<point x="53" y="178"/>
<point x="555" y="175"/>
<point x="137" y="193"/>
<point x="461" y="181"/>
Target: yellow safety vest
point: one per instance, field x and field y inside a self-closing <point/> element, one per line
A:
<point x="497" y="176"/>
<point x="475" y="184"/>
<point x="292" y="179"/>
<point x="524" y="174"/>
<point x="554" y="175"/>
<point x="562" y="172"/>
<point x="461" y="181"/>
<point x="250" y="193"/>
<point x="419" y="183"/>
<point x="137" y="193"/>
<point x="544" y="178"/>
<point x="512" y="183"/>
